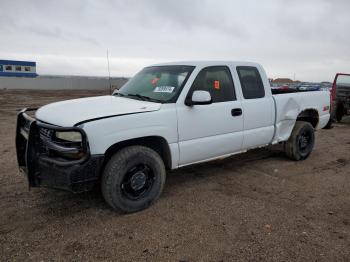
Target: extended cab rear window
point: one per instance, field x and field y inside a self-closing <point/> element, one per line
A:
<point x="251" y="83"/>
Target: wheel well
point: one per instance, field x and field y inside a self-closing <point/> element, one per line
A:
<point x="309" y="115"/>
<point x="157" y="143"/>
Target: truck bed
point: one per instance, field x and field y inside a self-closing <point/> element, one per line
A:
<point x="288" y="91"/>
<point x="289" y="105"/>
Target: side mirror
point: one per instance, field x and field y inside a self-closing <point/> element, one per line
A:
<point x="199" y="97"/>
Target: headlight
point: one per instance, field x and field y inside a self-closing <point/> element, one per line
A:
<point x="70" y="136"/>
<point x="63" y="143"/>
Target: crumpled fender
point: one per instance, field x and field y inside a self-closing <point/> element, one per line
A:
<point x="289" y="106"/>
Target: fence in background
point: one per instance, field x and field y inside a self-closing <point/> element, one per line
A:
<point x="61" y="83"/>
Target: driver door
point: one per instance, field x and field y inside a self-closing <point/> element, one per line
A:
<point x="212" y="130"/>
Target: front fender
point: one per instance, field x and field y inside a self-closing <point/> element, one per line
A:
<point x="104" y="133"/>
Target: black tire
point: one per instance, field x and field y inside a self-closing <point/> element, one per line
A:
<point x="133" y="179"/>
<point x="301" y="142"/>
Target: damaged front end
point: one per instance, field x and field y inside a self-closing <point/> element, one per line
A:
<point x="56" y="157"/>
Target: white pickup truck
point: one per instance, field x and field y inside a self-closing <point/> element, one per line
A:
<point x="167" y="116"/>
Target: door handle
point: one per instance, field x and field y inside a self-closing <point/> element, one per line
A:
<point x="236" y="112"/>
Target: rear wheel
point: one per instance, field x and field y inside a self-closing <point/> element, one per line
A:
<point x="133" y="179"/>
<point x="301" y="142"/>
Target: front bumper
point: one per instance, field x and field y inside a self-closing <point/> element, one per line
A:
<point x="43" y="168"/>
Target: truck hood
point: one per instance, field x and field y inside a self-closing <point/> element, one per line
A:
<point x="72" y="112"/>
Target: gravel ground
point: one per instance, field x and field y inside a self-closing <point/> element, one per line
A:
<point x="250" y="207"/>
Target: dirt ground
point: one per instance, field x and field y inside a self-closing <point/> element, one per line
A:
<point x="257" y="206"/>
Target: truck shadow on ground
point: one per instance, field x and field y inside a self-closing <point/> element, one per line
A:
<point x="345" y="121"/>
<point x="190" y="175"/>
<point x="60" y="203"/>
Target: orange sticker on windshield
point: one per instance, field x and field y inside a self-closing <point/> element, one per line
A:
<point x="154" y="80"/>
<point x="217" y="84"/>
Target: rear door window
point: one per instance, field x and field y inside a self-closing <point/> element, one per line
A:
<point x="251" y="83"/>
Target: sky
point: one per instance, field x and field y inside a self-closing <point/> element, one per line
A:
<point x="305" y="40"/>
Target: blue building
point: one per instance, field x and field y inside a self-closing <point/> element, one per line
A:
<point x="18" y="68"/>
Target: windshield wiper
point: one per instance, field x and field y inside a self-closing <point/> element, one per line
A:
<point x="145" y="98"/>
<point x="118" y="94"/>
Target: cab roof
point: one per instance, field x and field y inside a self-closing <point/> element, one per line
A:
<point x="206" y="63"/>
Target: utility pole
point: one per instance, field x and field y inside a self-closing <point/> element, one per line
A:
<point x="109" y="75"/>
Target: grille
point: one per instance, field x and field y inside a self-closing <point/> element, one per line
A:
<point x="26" y="125"/>
<point x="45" y="133"/>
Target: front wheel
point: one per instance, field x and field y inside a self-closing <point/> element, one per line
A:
<point x="133" y="179"/>
<point x="301" y="142"/>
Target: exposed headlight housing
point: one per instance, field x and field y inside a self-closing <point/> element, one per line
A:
<point x="63" y="143"/>
<point x="71" y="136"/>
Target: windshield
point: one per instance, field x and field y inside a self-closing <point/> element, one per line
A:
<point x="157" y="83"/>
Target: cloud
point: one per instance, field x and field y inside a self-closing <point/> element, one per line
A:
<point x="305" y="38"/>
